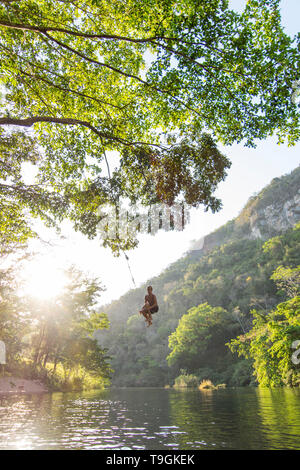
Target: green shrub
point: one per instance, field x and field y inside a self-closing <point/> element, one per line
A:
<point x="186" y="381"/>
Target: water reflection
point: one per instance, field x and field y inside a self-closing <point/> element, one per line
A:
<point x="152" y="419"/>
<point x="280" y="415"/>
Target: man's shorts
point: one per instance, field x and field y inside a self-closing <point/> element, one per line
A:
<point x="154" y="309"/>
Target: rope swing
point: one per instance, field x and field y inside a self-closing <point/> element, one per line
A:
<point x="129" y="268"/>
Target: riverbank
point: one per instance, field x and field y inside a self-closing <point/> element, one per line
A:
<point x="19" y="385"/>
<point x="26" y="377"/>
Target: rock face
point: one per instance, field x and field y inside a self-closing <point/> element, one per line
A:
<point x="271" y="212"/>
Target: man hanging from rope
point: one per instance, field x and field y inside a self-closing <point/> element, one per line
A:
<point x="150" y="306"/>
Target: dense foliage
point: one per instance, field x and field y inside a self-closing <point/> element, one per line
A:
<point x="208" y="66"/>
<point x="111" y="75"/>
<point x="270" y="342"/>
<point x="200" y="337"/>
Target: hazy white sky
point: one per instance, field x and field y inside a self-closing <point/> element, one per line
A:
<point x="251" y="170"/>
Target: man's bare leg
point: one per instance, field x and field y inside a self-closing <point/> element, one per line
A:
<point x="148" y="315"/>
<point x="146" y="312"/>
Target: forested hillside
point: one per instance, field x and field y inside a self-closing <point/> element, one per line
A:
<point x="208" y="298"/>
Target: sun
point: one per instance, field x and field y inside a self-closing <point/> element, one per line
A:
<point x="43" y="279"/>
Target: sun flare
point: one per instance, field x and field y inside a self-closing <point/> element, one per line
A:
<point x="43" y="279"/>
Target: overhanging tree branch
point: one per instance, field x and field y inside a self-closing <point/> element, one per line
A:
<point x="115" y="37"/>
<point x="45" y="29"/>
<point x="120" y="72"/>
<point x="66" y="89"/>
<point x="151" y="40"/>
<point x="28" y="122"/>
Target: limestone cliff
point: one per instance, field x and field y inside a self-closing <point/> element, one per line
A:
<point x="269" y="213"/>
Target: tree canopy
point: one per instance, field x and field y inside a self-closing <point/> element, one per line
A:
<point x="197" y="330"/>
<point x="143" y="78"/>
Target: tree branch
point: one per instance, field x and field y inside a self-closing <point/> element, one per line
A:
<point x="28" y="122"/>
<point x="152" y="40"/>
<point x="45" y="29"/>
<point x="61" y="77"/>
<point x="121" y="72"/>
<point x="193" y="61"/>
<point x="68" y="90"/>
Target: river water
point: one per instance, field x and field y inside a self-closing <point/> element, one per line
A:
<point x="152" y="419"/>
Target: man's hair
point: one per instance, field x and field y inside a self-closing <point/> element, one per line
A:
<point x="150" y="287"/>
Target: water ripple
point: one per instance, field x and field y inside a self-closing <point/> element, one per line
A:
<point x="151" y="419"/>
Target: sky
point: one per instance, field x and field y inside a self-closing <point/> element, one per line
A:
<point x="251" y="170"/>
